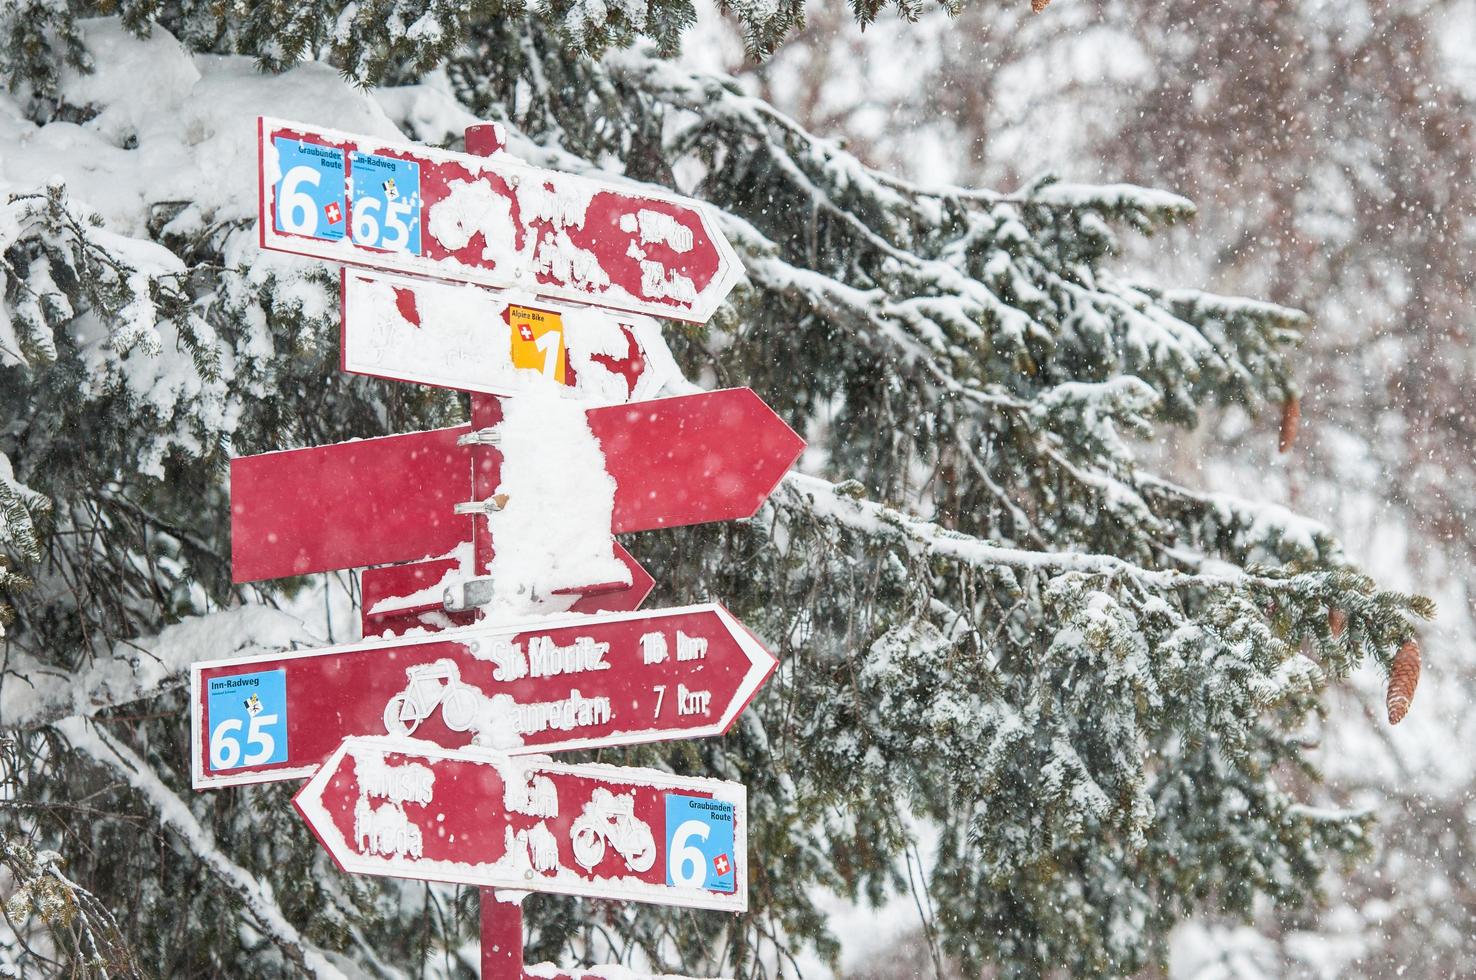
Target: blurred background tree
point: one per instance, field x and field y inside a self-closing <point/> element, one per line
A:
<point x="1330" y="146"/>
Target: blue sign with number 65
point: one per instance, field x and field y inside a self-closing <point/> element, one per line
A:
<point x="309" y="197"/>
<point x="700" y="843"/>
<point x="386" y="202"/>
<point x="248" y="719"/>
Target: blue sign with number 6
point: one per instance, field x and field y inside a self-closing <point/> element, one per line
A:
<point x="248" y="719"/>
<point x="309" y="197"/>
<point x="386" y="200"/>
<point x="700" y="843"/>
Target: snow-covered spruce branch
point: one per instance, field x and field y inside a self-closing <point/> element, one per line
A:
<point x="174" y="814"/>
<point x="870" y="320"/>
<point x="21" y="511"/>
<point x="31" y="695"/>
<point x="711" y="99"/>
<point x="23" y="515"/>
<point x="73" y="914"/>
<point x="1310" y="539"/>
<point x="129" y="291"/>
<point x="830" y="503"/>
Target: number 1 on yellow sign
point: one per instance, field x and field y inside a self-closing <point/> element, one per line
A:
<point x="538" y="341"/>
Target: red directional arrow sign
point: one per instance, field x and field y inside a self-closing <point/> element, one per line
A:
<point x="581" y="682"/>
<point x="400" y="808"/>
<point x="713" y="456"/>
<point x="410" y="208"/>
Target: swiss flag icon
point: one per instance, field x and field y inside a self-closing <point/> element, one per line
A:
<point x="332" y="213"/>
<point x="526" y="332"/>
<point x="721" y="865"/>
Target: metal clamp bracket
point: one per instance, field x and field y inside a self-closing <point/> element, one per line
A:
<point x="479" y="437"/>
<point x="491" y="505"/>
<point x="462" y="596"/>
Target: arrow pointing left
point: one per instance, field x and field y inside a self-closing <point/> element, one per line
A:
<point x="404" y="809"/>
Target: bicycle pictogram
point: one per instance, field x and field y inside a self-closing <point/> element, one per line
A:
<point x="432" y="685"/>
<point x="610" y="818"/>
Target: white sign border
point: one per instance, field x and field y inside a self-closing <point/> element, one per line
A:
<point x="345" y="251"/>
<point x="762" y="664"/>
<point x="307" y="799"/>
<point x="661" y="366"/>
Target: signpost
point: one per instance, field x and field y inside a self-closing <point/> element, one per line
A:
<point x="418" y="745"/>
<point x="405" y="207"/>
<point x="403" y="809"/>
<point x="581" y="682"/>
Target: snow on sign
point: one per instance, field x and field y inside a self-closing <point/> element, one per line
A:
<point x="571" y="683"/>
<point x="397" y="598"/>
<point x="713" y="456"/>
<point x="404" y="809"/>
<point x="405" y="207"/>
<point x="502" y="342"/>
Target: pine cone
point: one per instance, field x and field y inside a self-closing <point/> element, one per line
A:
<point x="1291" y="420"/>
<point x="1038" y="5"/>
<point x="1337" y="621"/>
<point x="1404" y="675"/>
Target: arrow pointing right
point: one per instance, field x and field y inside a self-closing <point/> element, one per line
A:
<point x="576" y="683"/>
<point x="712" y="456"/>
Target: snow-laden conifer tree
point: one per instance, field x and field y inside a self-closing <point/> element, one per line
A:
<point x="1077" y="693"/>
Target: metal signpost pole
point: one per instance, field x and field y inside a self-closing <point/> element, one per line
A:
<point x="502" y="921"/>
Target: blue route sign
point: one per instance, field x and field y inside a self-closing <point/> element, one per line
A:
<point x="310" y="193"/>
<point x="248" y="719"/>
<point x="700" y="843"/>
<point x="386" y="202"/>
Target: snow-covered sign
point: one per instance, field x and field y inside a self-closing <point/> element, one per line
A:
<point x="570" y="683"/>
<point x="503" y="342"/>
<point x="405" y="207"/>
<point x="397" y="598"/>
<point x="712" y="456"/>
<point x="404" y="809"/>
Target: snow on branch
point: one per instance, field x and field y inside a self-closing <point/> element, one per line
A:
<point x="174" y="814"/>
<point x="831" y="504"/>
<point x="21" y="509"/>
<point x="75" y="916"/>
<point x="972" y="282"/>
<point x="129" y="281"/>
<point x="33" y="694"/>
